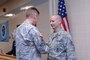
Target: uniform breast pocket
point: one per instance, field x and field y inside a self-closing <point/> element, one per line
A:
<point x="59" y="47"/>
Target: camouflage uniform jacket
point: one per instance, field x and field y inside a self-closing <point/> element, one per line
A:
<point x="61" y="46"/>
<point x="29" y="44"/>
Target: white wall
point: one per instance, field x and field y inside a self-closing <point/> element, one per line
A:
<point x="78" y="15"/>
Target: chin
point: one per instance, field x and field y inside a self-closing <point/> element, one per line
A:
<point x="53" y="28"/>
<point x="35" y="24"/>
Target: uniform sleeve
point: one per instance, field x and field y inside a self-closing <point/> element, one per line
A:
<point x="39" y="43"/>
<point x="70" y="49"/>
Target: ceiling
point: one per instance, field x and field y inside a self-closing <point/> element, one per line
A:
<point x="2" y="2"/>
<point x="17" y="10"/>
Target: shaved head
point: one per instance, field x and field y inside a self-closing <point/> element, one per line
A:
<point x="55" y="22"/>
<point x="57" y="17"/>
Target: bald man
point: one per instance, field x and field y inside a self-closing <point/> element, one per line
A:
<point x="61" y="46"/>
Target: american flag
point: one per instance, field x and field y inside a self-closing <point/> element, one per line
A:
<point x="63" y="14"/>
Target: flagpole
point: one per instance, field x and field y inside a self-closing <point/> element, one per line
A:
<point x="50" y="7"/>
<point x="50" y="12"/>
<point x="54" y="4"/>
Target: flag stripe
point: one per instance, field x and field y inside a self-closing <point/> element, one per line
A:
<point x="63" y="14"/>
<point x="66" y="24"/>
<point x="63" y="24"/>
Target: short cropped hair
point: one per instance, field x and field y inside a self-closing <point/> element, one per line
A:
<point x="32" y="8"/>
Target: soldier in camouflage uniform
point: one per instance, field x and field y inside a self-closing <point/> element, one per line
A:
<point x="29" y="42"/>
<point x="60" y="42"/>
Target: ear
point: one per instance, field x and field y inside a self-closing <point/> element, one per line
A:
<point x="60" y="22"/>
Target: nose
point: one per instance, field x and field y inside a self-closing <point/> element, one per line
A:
<point x="51" y="23"/>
